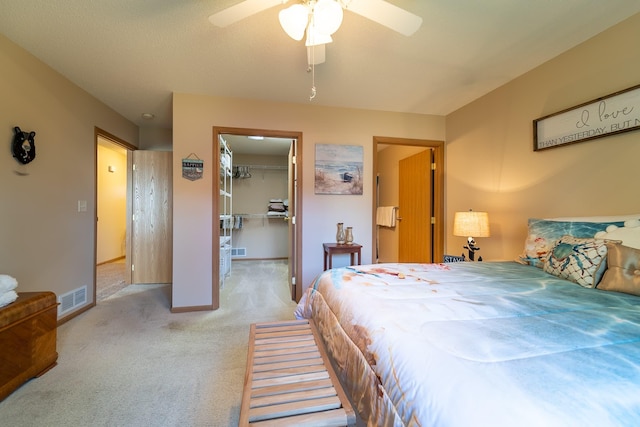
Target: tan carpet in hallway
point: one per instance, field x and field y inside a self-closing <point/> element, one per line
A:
<point x="110" y="278"/>
<point x="130" y="362"/>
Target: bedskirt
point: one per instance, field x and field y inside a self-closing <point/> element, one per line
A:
<point x="361" y="383"/>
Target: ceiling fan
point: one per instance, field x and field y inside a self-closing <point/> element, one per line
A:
<point x="321" y="18"/>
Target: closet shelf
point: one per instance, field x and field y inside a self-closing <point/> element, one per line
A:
<point x="262" y="215"/>
<point x="264" y="167"/>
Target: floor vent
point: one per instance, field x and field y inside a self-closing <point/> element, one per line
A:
<point x="71" y="300"/>
<point x="238" y="252"/>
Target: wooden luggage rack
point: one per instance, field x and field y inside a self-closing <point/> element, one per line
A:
<point x="289" y="379"/>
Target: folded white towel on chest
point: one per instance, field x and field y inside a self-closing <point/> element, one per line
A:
<point x="7" y="298"/>
<point x="7" y="283"/>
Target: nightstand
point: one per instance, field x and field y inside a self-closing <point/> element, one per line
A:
<point x="341" y="248"/>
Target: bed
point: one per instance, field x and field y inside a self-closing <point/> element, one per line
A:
<point x="491" y="343"/>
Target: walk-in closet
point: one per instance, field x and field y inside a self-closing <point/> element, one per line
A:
<point x="254" y="220"/>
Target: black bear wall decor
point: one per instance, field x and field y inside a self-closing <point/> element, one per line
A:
<point x="23" y="146"/>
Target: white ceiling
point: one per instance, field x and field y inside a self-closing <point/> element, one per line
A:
<point x="132" y="54"/>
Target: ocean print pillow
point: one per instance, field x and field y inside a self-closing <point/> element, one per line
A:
<point x="582" y="261"/>
<point x="544" y="233"/>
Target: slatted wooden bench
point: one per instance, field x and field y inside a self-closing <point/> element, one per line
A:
<point x="289" y="379"/>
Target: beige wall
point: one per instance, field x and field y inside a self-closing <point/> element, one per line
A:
<point x="194" y="117"/>
<point x="263" y="238"/>
<point x="46" y="244"/>
<point x="491" y="165"/>
<point x="155" y="139"/>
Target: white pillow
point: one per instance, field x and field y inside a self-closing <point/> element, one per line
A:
<point x="611" y="218"/>
<point x="629" y="234"/>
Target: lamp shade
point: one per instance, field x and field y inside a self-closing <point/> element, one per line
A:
<point x="471" y="224"/>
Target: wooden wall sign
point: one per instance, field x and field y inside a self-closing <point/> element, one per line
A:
<point x="609" y="115"/>
<point x="192" y="167"/>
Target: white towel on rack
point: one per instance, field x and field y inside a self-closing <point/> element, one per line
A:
<point x="386" y="216"/>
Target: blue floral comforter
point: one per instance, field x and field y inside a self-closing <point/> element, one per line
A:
<point x="474" y="344"/>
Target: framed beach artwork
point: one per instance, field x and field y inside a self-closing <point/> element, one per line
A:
<point x="339" y="169"/>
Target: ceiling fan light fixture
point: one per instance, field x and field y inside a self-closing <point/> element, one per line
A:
<point x="327" y="16"/>
<point x="315" y="37"/>
<point x="315" y="55"/>
<point x="294" y="20"/>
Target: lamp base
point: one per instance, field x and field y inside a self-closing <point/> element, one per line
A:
<point x="472" y="248"/>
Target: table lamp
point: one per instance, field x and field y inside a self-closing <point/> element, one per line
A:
<point x="470" y="224"/>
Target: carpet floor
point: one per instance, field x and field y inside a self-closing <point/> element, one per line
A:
<point x="110" y="279"/>
<point x="129" y="361"/>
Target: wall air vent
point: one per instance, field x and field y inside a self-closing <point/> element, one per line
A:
<point x="238" y="252"/>
<point x="71" y="300"/>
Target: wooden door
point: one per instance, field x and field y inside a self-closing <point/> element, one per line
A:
<point x="152" y="221"/>
<point x="415" y="208"/>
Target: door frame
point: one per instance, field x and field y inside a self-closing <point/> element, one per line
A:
<point x="215" y="253"/>
<point x="437" y="189"/>
<point x="101" y="133"/>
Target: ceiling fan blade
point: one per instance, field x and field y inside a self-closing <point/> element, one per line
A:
<point x="241" y="10"/>
<point x="386" y="14"/>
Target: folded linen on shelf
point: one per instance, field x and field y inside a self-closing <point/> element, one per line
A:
<point x="386" y="216"/>
<point x="277" y="207"/>
<point x="278" y="214"/>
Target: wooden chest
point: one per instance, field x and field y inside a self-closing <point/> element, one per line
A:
<point x="28" y="329"/>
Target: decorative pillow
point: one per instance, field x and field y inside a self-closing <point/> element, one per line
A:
<point x="623" y="273"/>
<point x="582" y="261"/>
<point x="544" y="233"/>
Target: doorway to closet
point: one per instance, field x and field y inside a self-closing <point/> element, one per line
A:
<point x="257" y="211"/>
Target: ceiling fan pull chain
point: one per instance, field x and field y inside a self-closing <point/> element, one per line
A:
<point x="313" y="74"/>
